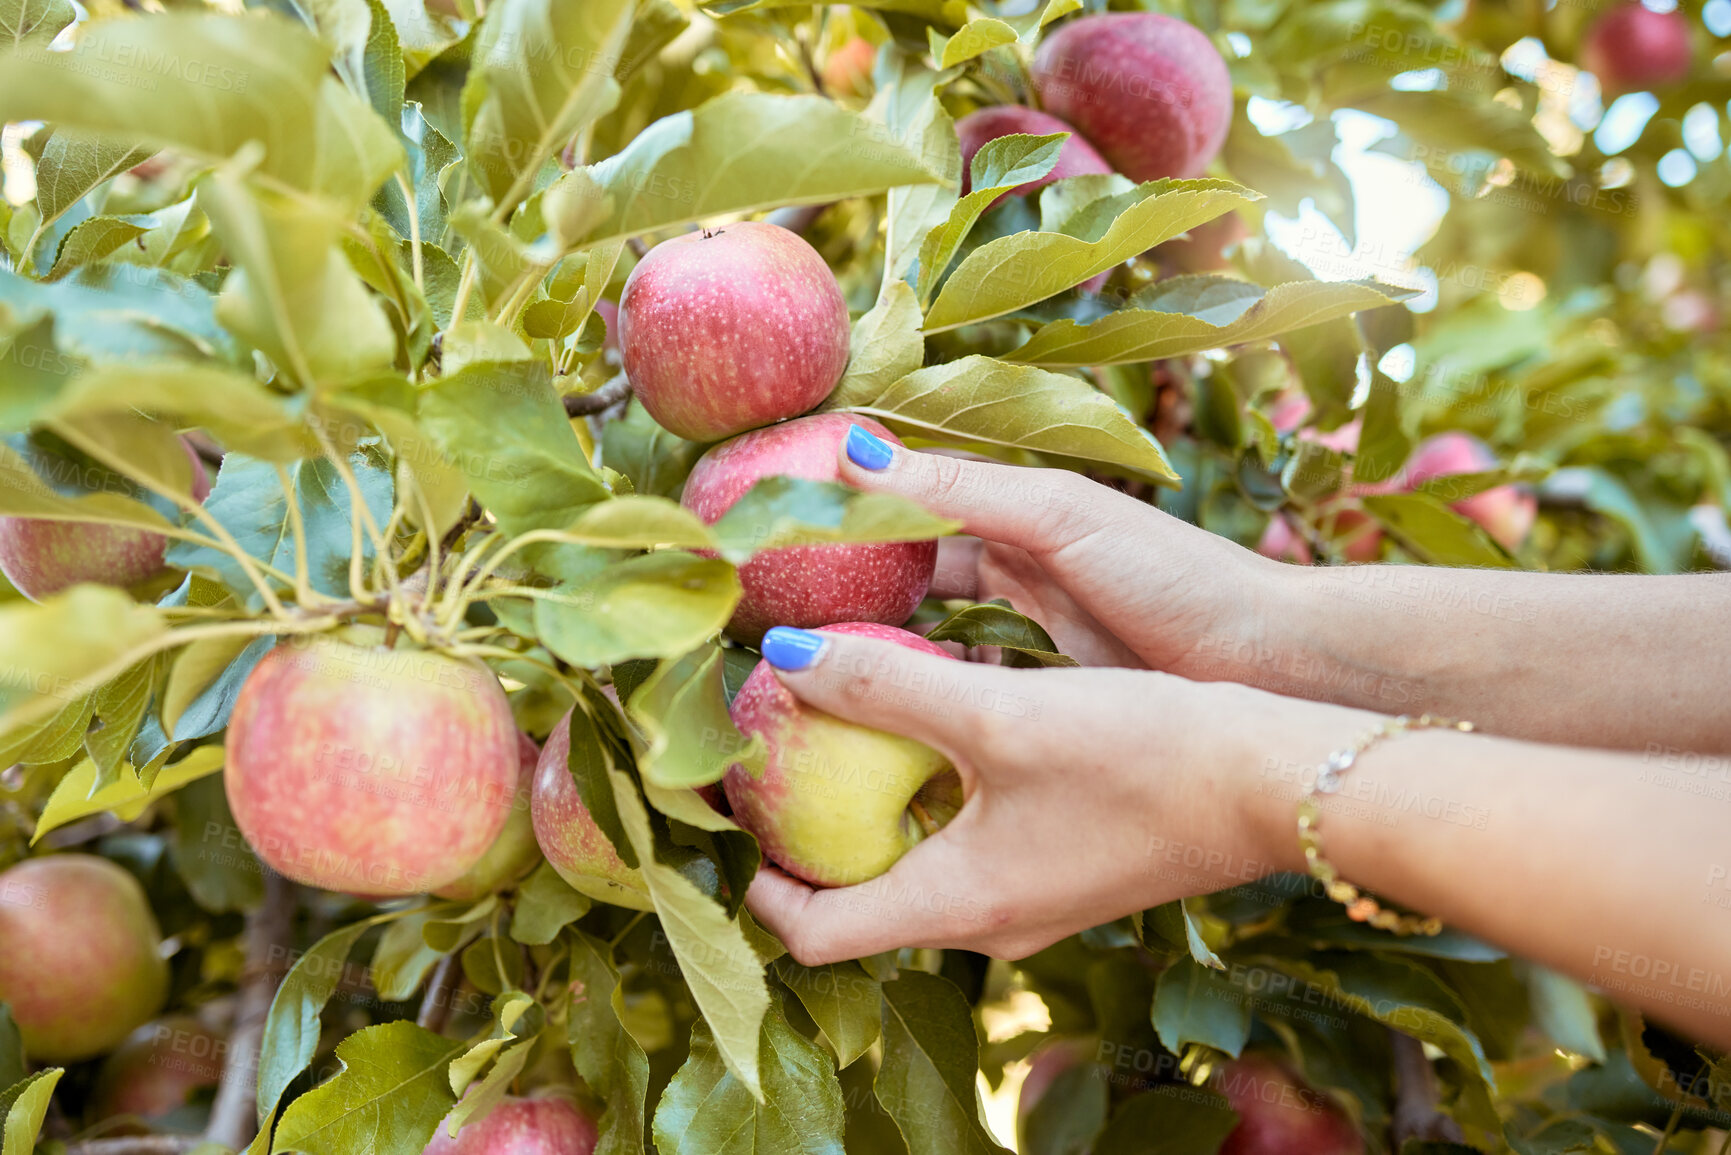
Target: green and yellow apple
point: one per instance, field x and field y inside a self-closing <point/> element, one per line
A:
<point x="80" y="955"/>
<point x="837" y="803"/>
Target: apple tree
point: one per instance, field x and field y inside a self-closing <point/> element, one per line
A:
<point x="354" y="356"/>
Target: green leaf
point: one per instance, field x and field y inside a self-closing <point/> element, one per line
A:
<point x="1067" y="1118"/>
<point x="1435" y="533"/>
<point x="784" y="511"/>
<point x="210" y="854"/>
<point x="90" y="241"/>
<point x="250" y="502"/>
<point x="33" y="22"/>
<point x="722" y="971"/>
<point x="504" y="427"/>
<point x="1185" y="315"/>
<point x="659" y="605"/>
<point x="842" y="999"/>
<point x="931" y="1053"/>
<point x="994" y="623"/>
<point x="706" y="1109"/>
<point x="998" y="167"/>
<point x="545" y="906"/>
<point x="120" y="706"/>
<point x="655" y="460"/>
<point x="640" y="522"/>
<point x="541" y="71"/>
<point x="1197" y="1004"/>
<point x="291" y="1031"/>
<point x="60" y="650"/>
<point x="79" y="796"/>
<point x="885" y="346"/>
<point x="402" y="959"/>
<point x="608" y="1058"/>
<point x="23" y="1106"/>
<point x="294" y="295"/>
<point x="1383" y="444"/>
<point x="682" y="710"/>
<point x="387" y="1100"/>
<point x="914" y="116"/>
<point x="1565" y="1012"/>
<point x="978" y="401"/>
<point x="1159" y="1123"/>
<point x="1007" y="274"/>
<point x="209" y="85"/>
<point x="975" y="38"/>
<point x="745" y="151"/>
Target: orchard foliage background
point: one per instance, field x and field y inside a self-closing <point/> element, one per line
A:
<point x="354" y="249"/>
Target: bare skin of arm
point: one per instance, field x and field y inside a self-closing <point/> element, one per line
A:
<point x="1620" y="661"/>
<point x="1080" y="782"/>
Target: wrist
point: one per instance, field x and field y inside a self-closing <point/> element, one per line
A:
<point x="1251" y="637"/>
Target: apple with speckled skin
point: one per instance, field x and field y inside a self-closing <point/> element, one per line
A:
<point x="155" y="1073"/>
<point x="579" y="850"/>
<point x="1076" y="157"/>
<point x="533" y="1126"/>
<point x="1631" y="48"/>
<point x="514" y="853"/>
<point x="80" y="955"/>
<point x="1507" y="512"/>
<point x="41" y="557"/>
<point x="1150" y="92"/>
<point x="356" y="767"/>
<point x="838" y="803"/>
<point x="808" y="585"/>
<point x="728" y="329"/>
<point x="1279" y="1115"/>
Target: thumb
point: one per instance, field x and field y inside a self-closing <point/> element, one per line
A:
<point x="1039" y="510"/>
<point x="915" y="689"/>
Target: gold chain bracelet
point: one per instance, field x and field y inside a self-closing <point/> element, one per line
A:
<point x="1360" y="906"/>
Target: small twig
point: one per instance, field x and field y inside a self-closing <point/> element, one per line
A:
<point x="269" y="930"/>
<point x="441" y="990"/>
<point x="798" y="218"/>
<point x="603" y="399"/>
<point x="1415" y="1114"/>
<point x="637" y="247"/>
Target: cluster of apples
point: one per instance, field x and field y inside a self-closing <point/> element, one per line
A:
<point x="1506" y="512"/>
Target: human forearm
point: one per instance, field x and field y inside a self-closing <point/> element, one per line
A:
<point x="1589" y="862"/>
<point x="1604" y="660"/>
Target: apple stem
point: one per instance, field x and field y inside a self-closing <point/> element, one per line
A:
<point x="923" y="817"/>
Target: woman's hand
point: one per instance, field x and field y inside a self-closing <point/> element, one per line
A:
<point x="1090" y="794"/>
<point x="1115" y="582"/>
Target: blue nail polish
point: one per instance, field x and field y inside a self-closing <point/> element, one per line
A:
<point x="786" y="648"/>
<point x="866" y="450"/>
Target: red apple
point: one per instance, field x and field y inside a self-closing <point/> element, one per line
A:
<point x="808" y="585"/>
<point x="514" y="853"/>
<point x="1076" y="157"/>
<point x="1631" y="47"/>
<point x="1281" y="543"/>
<point x="578" y="849"/>
<point x="1149" y="91"/>
<point x="377" y="771"/>
<point x="730" y="328"/>
<point x="537" y="1126"/>
<point x="1279" y="1115"/>
<point x="838" y="803"/>
<point x="158" y="1069"/>
<point x="848" y="71"/>
<point x="41" y="557"/>
<point x="80" y="955"/>
<point x="1507" y="512"/>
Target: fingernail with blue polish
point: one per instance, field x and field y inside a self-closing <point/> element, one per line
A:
<point x="786" y="648"/>
<point x="866" y="450"/>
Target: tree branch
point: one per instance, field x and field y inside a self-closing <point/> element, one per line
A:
<point x="234" y="1114"/>
<point x="604" y="398"/>
<point x="1415" y="1114"/>
<point x="441" y="989"/>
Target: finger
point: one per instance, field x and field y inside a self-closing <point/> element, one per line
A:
<point x="921" y="693"/>
<point x="1040" y="510"/>
<point x="916" y="903"/>
<point x="958" y="571"/>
